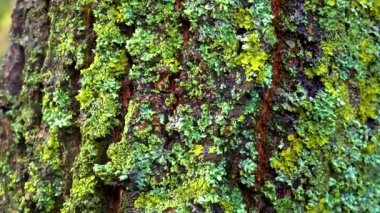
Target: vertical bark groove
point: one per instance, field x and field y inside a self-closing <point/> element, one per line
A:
<point x="262" y="143"/>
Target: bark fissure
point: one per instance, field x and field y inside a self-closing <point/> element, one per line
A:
<point x="126" y="93"/>
<point x="90" y="36"/>
<point x="173" y="85"/>
<point x="262" y="146"/>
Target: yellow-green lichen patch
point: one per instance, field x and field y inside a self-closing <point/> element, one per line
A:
<point x="252" y="59"/>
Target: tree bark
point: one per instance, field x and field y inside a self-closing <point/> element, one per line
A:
<point x="191" y="106"/>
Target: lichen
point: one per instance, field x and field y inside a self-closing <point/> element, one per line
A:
<point x="325" y="154"/>
<point x="173" y="102"/>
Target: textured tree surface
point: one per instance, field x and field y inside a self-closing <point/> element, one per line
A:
<point x="191" y="106"/>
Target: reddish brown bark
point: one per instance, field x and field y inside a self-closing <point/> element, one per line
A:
<point x="262" y="143"/>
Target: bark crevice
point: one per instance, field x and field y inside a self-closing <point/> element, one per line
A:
<point x="262" y="143"/>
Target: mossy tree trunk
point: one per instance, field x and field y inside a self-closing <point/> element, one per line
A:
<point x="191" y="106"/>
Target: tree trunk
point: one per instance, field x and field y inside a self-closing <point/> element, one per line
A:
<point x="191" y="106"/>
